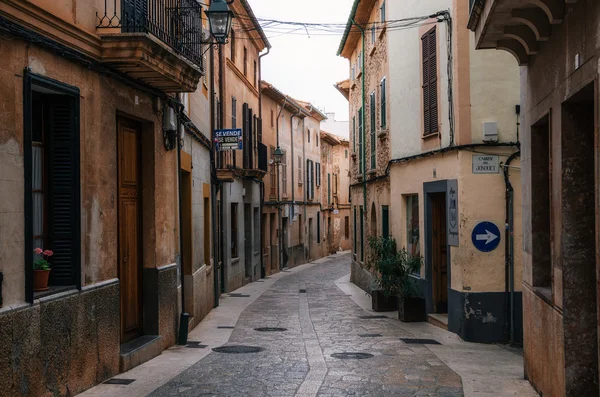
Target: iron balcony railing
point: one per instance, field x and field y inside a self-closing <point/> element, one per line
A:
<point x="177" y="23"/>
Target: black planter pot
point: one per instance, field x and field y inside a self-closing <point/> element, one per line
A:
<point x="412" y="310"/>
<point x="382" y="303"/>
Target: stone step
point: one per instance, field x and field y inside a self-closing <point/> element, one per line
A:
<point x="439" y="320"/>
<point x="139" y="350"/>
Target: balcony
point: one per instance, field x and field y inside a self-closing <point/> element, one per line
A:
<point x="516" y="26"/>
<point x="228" y="163"/>
<point x="158" y="42"/>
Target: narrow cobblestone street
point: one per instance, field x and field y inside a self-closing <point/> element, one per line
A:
<point x="298" y="362"/>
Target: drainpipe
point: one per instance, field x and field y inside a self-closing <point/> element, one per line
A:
<point x="184" y="317"/>
<point x="263" y="271"/>
<point x="363" y="78"/>
<point x="295" y="115"/>
<point x="509" y="247"/>
<point x="214" y="185"/>
<point x="222" y="206"/>
<point x="304" y="195"/>
<point x="280" y="220"/>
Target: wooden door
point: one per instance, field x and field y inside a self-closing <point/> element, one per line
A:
<point x="439" y="253"/>
<point x="130" y="260"/>
<point x="310" y="239"/>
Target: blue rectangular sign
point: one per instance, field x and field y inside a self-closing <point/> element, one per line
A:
<point x="230" y="139"/>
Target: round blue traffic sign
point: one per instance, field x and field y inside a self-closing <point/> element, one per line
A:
<point x="486" y="236"/>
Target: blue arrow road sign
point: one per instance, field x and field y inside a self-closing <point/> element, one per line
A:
<point x="486" y="236"/>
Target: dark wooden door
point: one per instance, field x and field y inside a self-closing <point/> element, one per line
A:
<point x="439" y="254"/>
<point x="130" y="261"/>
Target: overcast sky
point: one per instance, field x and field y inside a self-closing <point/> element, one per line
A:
<point x="302" y="67"/>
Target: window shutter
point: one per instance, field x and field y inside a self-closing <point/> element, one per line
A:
<point x="245" y="134"/>
<point x="385" y="221"/>
<point x="426" y="109"/>
<point x="64" y="204"/>
<point x="433" y="106"/>
<point x="134" y="15"/>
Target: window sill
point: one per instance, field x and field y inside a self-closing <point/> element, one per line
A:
<point x="359" y="178"/>
<point x="373" y="49"/>
<point x="372" y="172"/>
<point x="53" y="290"/>
<point x="235" y="261"/>
<point x="545" y="293"/>
<point x="430" y="136"/>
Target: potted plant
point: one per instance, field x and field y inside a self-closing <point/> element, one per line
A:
<point x="41" y="269"/>
<point x="393" y="270"/>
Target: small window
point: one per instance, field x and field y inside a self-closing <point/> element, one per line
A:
<point x="232" y="45"/>
<point x="234" y="230"/>
<point x="272" y="118"/>
<point x="245" y="62"/>
<point x="382" y="12"/>
<point x="317" y="139"/>
<point x="412" y="225"/>
<point x="233" y="112"/>
<point x="308" y="135"/>
<point x="346" y="227"/>
<point x="318" y="227"/>
<point x="299" y="170"/>
<point x="373" y="35"/>
<point x="346" y="153"/>
<point x="255" y="75"/>
<point x="383" y="103"/>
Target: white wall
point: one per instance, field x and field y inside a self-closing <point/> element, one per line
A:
<point x="405" y="76"/>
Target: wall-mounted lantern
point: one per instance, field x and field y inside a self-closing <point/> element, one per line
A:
<point x="278" y="155"/>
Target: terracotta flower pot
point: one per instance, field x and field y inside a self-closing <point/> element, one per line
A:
<point x="40" y="280"/>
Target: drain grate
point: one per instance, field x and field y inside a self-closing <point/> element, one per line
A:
<point x="270" y="329"/>
<point x="415" y="341"/>
<point x="116" y="381"/>
<point x="225" y="327"/>
<point x="372" y="317"/>
<point x="352" y="356"/>
<point x="369" y="335"/>
<point x="238" y="349"/>
<point x="195" y="345"/>
<point x="302" y="291"/>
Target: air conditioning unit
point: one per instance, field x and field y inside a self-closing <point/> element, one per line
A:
<point x="490" y="131"/>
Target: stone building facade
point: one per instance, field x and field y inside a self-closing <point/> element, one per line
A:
<point x="556" y="44"/>
<point x="240" y="172"/>
<point x="446" y="175"/>
<point x="82" y="114"/>
<point x="293" y="209"/>
<point x="335" y="160"/>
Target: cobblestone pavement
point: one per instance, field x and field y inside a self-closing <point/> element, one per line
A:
<point x="298" y="362"/>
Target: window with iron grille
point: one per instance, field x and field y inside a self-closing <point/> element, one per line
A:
<point x="373" y="128"/>
<point x="430" y="103"/>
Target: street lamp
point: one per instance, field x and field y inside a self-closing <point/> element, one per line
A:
<point x="219" y="17"/>
<point x="278" y="155"/>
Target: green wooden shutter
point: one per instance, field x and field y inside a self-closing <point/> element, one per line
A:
<point x="383" y="103"/>
<point x="373" y="127"/>
<point x="385" y="221"/>
<point x="64" y="190"/>
<point x="360" y="141"/>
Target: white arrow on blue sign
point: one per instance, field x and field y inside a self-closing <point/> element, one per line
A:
<point x="486" y="236"/>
